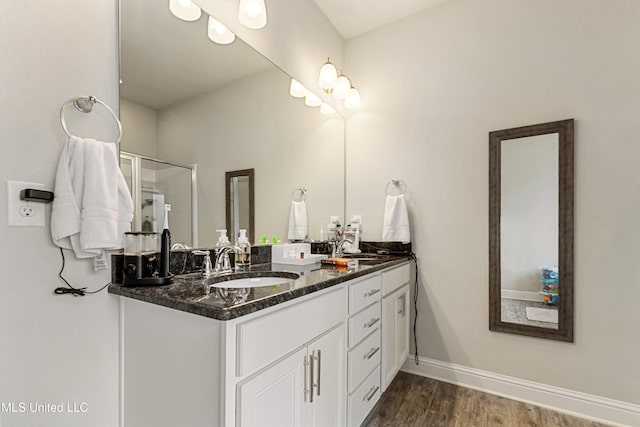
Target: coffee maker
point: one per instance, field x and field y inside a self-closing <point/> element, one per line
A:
<point x="142" y="260"/>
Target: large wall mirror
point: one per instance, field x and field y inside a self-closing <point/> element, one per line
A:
<point x="531" y="230"/>
<point x="188" y="100"/>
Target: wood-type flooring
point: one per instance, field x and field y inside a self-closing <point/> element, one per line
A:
<point x="412" y="400"/>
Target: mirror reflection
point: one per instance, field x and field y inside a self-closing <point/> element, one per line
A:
<point x="531" y="230"/>
<point x="240" y="202"/>
<point x="187" y="100"/>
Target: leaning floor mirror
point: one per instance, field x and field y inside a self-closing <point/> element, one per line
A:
<point x="531" y="230"/>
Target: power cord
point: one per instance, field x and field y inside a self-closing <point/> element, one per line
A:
<point x="76" y="292"/>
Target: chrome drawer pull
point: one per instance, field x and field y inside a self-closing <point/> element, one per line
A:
<point x="306" y="384"/>
<point x="311" y="363"/>
<point x="371" y="353"/>
<point x="371" y="292"/>
<point x="371" y="393"/>
<point x="319" y="359"/>
<point x="371" y="322"/>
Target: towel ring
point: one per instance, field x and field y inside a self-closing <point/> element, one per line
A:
<point x="301" y="193"/>
<point x="397" y="184"/>
<point x="85" y="104"/>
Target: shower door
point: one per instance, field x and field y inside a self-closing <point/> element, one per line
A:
<point x="154" y="183"/>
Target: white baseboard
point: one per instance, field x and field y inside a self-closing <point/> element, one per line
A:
<point x="521" y="295"/>
<point x="583" y="405"/>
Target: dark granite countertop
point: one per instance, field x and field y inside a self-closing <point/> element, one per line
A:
<point x="188" y="292"/>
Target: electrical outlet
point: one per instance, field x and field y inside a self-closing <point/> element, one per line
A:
<point x="23" y="213"/>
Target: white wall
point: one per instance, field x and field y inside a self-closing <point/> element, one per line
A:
<point x="254" y="123"/>
<point x="138" y="129"/>
<point x="433" y="86"/>
<point x="55" y="349"/>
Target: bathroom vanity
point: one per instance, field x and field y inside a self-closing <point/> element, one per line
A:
<point x="315" y="351"/>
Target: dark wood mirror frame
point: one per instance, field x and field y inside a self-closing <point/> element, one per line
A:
<point x="227" y="185"/>
<point x="564" y="129"/>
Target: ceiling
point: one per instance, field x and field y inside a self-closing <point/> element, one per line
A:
<point x="354" y="17"/>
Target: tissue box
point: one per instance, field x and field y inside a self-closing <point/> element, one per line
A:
<point x="294" y="254"/>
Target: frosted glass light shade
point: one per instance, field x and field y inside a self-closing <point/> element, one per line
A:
<point x="218" y="33"/>
<point x="342" y="87"/>
<point x="312" y="100"/>
<point x="327" y="109"/>
<point x="252" y="14"/>
<point x="328" y="76"/>
<point x="185" y="10"/>
<point x="297" y="90"/>
<point x="352" y="100"/>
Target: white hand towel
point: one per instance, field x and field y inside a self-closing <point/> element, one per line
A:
<point x="298" y="223"/>
<point x="92" y="207"/>
<point x="395" y="227"/>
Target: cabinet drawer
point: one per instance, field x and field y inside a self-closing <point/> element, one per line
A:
<point x="264" y="339"/>
<point x="364" y="398"/>
<point x="363" y="293"/>
<point x="393" y="279"/>
<point x="363" y="323"/>
<point x="363" y="359"/>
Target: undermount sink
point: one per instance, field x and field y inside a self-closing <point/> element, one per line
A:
<point x="252" y="279"/>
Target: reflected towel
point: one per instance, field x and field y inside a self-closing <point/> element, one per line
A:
<point x="92" y="207"/>
<point x="395" y="227"/>
<point x="298" y="223"/>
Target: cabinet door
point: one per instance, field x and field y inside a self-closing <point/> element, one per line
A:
<point x="395" y="333"/>
<point x="276" y="396"/>
<point x="402" y="326"/>
<point x="329" y="390"/>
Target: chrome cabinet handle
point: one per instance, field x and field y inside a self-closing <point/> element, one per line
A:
<point x="311" y="377"/>
<point x="306" y="384"/>
<point x="371" y="322"/>
<point x="403" y="300"/>
<point x="372" y="392"/>
<point x="371" y="292"/>
<point x="371" y="353"/>
<point x="319" y="359"/>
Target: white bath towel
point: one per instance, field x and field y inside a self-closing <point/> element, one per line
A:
<point x="92" y="207"/>
<point x="395" y="227"/>
<point x="298" y="223"/>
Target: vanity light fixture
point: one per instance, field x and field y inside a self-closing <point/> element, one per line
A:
<point x="218" y="33"/>
<point x="342" y="87"/>
<point x="328" y="76"/>
<point x="185" y="10"/>
<point x="352" y="100"/>
<point x="297" y="90"/>
<point x="311" y="100"/>
<point x="326" y="109"/>
<point x="252" y="14"/>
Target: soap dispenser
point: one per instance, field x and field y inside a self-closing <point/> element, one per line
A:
<point x="244" y="259"/>
<point x="223" y="240"/>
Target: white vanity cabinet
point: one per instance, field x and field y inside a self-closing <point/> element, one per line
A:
<point x="306" y="388"/>
<point x="322" y="359"/>
<point x="395" y="321"/>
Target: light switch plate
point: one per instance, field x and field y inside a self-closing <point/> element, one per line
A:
<point x="23" y="213"/>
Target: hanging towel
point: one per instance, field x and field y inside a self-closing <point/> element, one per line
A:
<point x="395" y="227"/>
<point x="298" y="224"/>
<point x="92" y="207"/>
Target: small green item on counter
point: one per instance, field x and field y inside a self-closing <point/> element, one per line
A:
<point x="263" y="240"/>
<point x="274" y="239"/>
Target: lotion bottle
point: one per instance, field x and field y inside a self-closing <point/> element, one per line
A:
<point x="244" y="259"/>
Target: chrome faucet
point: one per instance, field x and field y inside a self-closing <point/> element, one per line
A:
<point x="338" y="247"/>
<point x="222" y="257"/>
<point x="206" y="264"/>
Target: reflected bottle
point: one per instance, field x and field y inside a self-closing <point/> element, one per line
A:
<point x="243" y="259"/>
